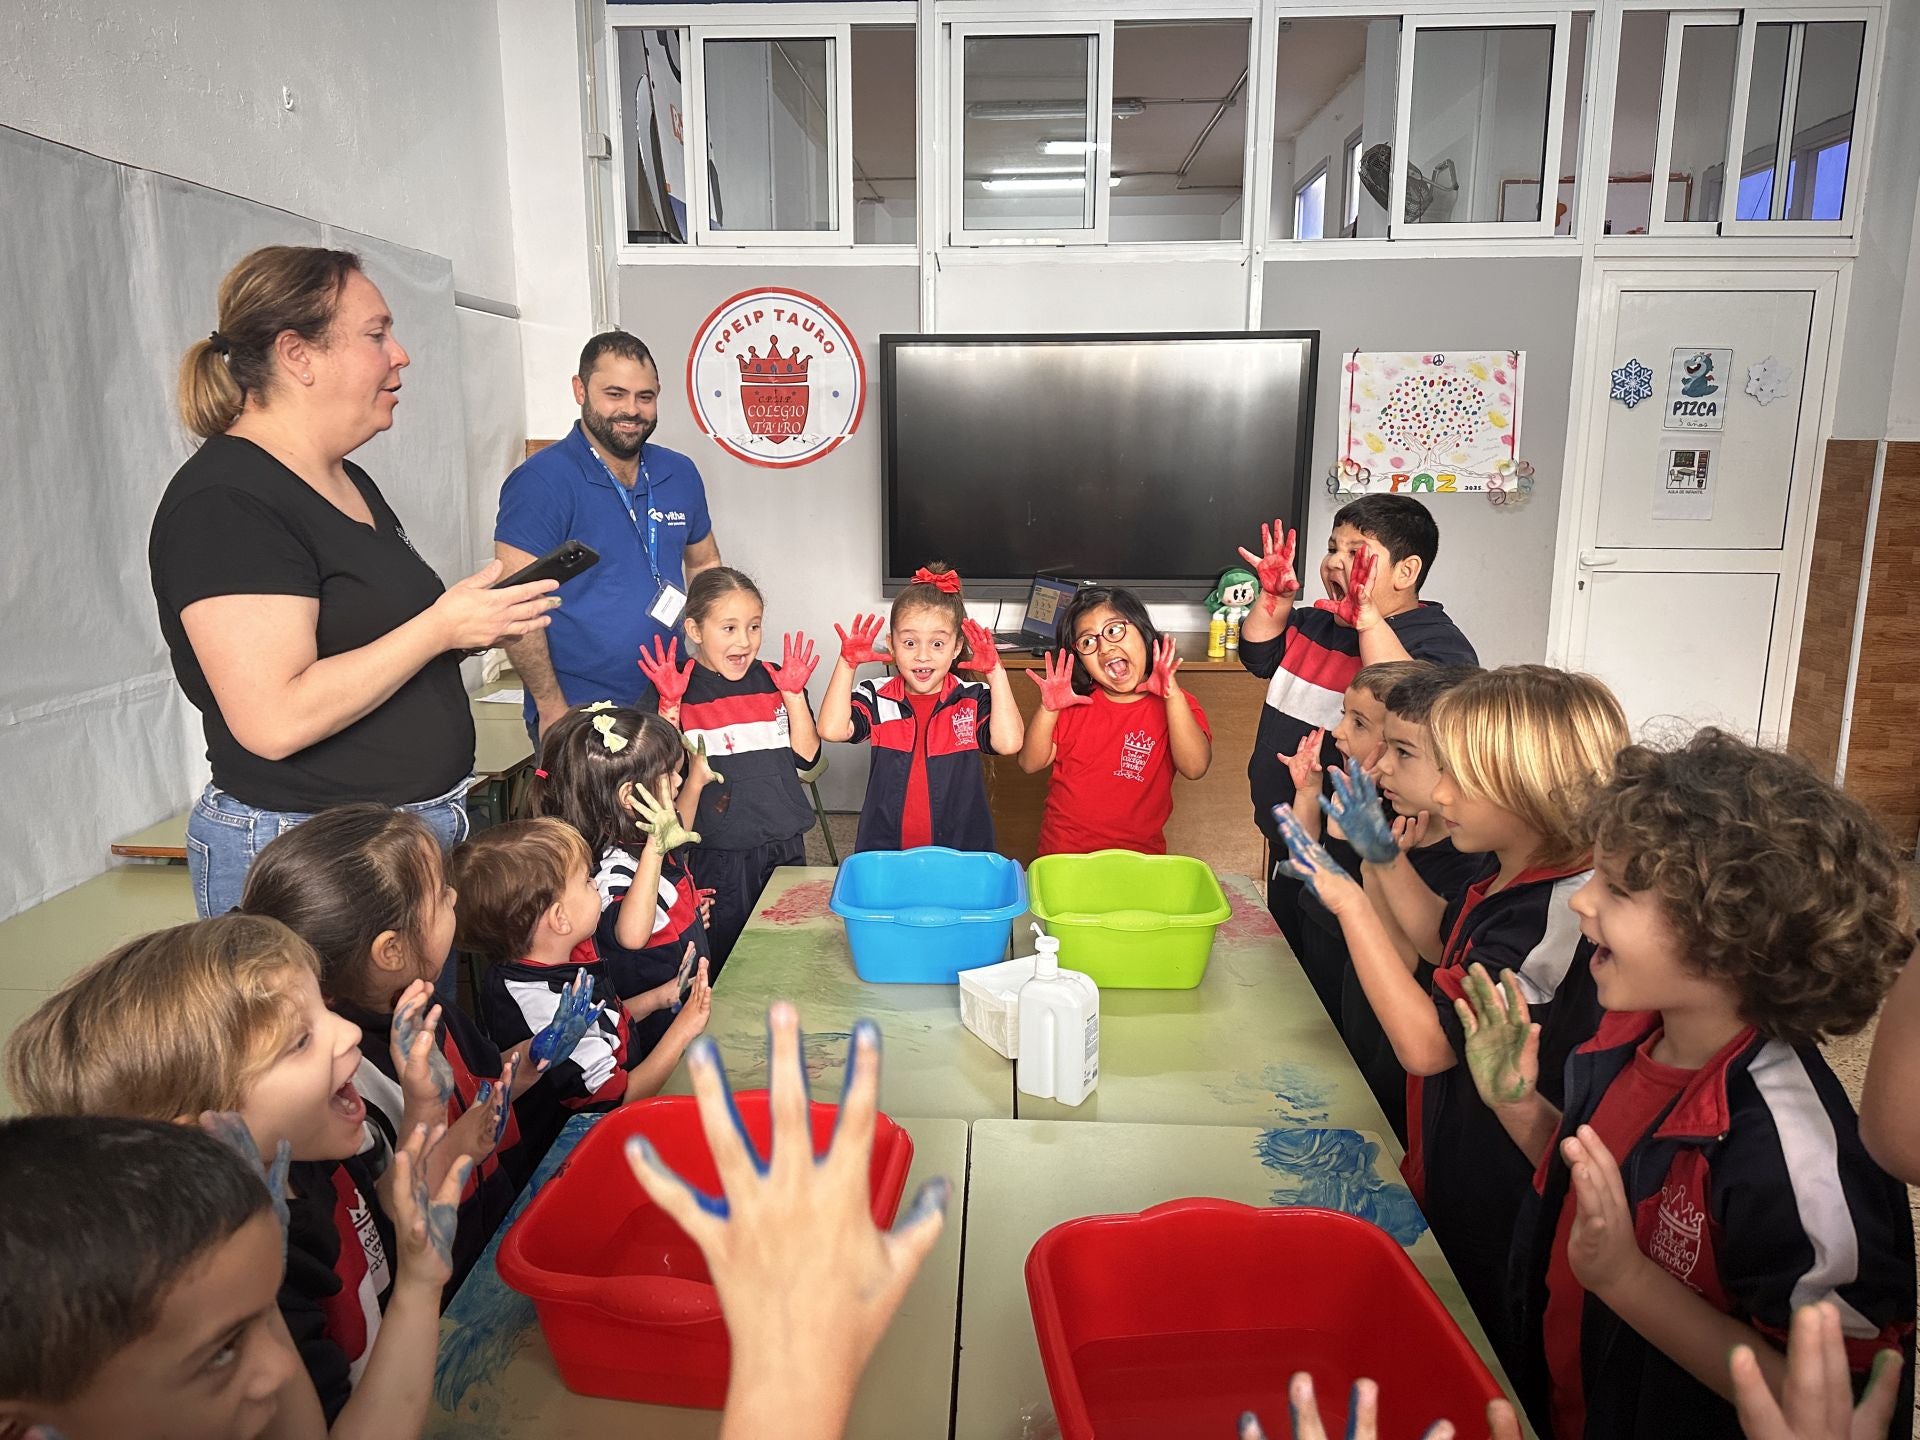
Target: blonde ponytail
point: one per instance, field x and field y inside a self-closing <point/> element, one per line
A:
<point x="273" y="290"/>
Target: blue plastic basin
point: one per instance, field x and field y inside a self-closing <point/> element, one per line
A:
<point x="920" y="917"/>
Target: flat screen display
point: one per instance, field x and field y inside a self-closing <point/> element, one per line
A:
<point x="1138" y="460"/>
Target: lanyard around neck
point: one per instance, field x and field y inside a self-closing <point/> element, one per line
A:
<point x="651" y="536"/>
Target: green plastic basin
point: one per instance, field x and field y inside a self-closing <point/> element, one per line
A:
<point x="1130" y="921"/>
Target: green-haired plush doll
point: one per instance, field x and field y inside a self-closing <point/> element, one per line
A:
<point x="1228" y="602"/>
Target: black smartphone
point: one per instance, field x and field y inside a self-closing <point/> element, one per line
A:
<point x="561" y="563"/>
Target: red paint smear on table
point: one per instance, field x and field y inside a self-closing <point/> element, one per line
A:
<point x="1249" y="921"/>
<point x="800" y="905"/>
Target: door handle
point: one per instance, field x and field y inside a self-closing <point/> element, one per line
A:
<point x="1593" y="560"/>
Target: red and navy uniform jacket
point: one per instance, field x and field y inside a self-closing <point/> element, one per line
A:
<point x="1463" y="1168"/>
<point x="1754" y="1191"/>
<point x="956" y="787"/>
<point x="758" y="800"/>
<point x="519" y="1000"/>
<point x="1309" y="666"/>
<point x="339" y="1273"/>
<point x="676" y="924"/>
<point x="496" y="1181"/>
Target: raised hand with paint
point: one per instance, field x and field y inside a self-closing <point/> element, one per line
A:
<point x="230" y="1012"/>
<point x="669" y="679"/>
<point x="366" y="887"/>
<point x="1363" y="1416"/>
<point x="546" y="982"/>
<point x="1355" y="805"/>
<point x="1113" y="761"/>
<point x="1273" y="566"/>
<point x="927" y="726"/>
<point x="1308" y="862"/>
<point x="626" y="781"/>
<point x="738" y="706"/>
<point x="1304" y="770"/>
<point x="806" y="1281"/>
<point x="1503" y="1043"/>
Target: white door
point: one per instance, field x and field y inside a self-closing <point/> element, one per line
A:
<point x="1694" y="511"/>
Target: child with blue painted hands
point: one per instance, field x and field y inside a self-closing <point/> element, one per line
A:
<point x="227" y="1015"/>
<point x="1518" y="750"/>
<point x="529" y="907"/>
<point x="1702" y="1174"/>
<point x="927" y="726"/>
<point x="631" y="785"/>
<point x="806" y="1281"/>
<point x="365" y="886"/>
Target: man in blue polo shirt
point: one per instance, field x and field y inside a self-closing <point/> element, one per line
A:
<point x="642" y="506"/>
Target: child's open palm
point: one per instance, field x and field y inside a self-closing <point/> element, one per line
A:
<point x="695" y="1010"/>
<point x="1355" y="807"/>
<point x="425" y="1217"/>
<point x="1303" y="765"/>
<point x="1308" y="861"/>
<point x="1600" y="1248"/>
<point x="1274" y="564"/>
<point x="661" y="667"/>
<point x="1166" y="664"/>
<point x="796" y="665"/>
<point x="426" y="1079"/>
<point x="858" y="648"/>
<point x="576" y="1014"/>
<point x="1503" y="1043"/>
<point x="473" y="1136"/>
<point x="1056" y="682"/>
<point x="658" y="818"/>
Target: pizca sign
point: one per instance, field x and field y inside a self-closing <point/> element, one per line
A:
<point x="775" y="378"/>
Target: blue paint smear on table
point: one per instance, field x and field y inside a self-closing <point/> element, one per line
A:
<point x="1302" y="1092"/>
<point x="488" y="1321"/>
<point x="1335" y="1170"/>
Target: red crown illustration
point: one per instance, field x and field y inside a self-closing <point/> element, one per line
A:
<point x="776" y="367"/>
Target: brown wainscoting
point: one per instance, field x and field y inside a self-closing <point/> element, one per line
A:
<point x="1883" y="749"/>
<point x="534" y="447"/>
<point x="1833" y="588"/>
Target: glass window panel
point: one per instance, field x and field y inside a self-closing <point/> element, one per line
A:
<point x="1760" y="141"/>
<point x="1478" y="135"/>
<point x="769" y="112"/>
<point x="1179" y="130"/>
<point x="886" y="155"/>
<point x="1636" y="116"/>
<point x="1335" y="76"/>
<point x="1310" y="209"/>
<point x="1702" y="117"/>
<point x="1568" y="188"/>
<point x="654" y="150"/>
<point x="1823" y="118"/>
<point x="1028" y="133"/>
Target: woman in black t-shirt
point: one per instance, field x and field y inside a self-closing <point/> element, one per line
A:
<point x="322" y="652"/>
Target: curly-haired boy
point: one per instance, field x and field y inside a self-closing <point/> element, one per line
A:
<point x="1742" y="911"/>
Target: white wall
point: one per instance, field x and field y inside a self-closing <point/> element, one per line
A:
<point x="396" y="128"/>
<point x="1323" y="141"/>
<point x="546" y="178"/>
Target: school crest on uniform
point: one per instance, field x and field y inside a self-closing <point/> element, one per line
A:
<point x="1678" y="1224"/>
<point x="1136" y="751"/>
<point x="964" y="721"/>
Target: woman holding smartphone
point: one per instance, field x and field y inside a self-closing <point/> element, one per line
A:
<point x="322" y="652"/>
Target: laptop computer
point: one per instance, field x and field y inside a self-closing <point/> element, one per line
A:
<point x="1045" y="601"/>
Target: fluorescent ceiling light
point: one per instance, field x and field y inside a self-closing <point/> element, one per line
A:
<point x="1046" y="109"/>
<point x="1043" y="182"/>
<point x="1066" y="147"/>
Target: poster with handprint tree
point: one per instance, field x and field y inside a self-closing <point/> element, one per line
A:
<point x="1435" y="421"/>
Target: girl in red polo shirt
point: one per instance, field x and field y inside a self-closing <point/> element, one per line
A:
<point x="1115" y="728"/>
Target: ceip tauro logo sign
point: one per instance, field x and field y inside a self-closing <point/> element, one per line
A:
<point x="775" y="378"/>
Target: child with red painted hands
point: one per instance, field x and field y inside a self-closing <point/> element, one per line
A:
<point x="631" y="784"/>
<point x="927" y="726"/>
<point x="226" y="1015"/>
<point x="365" y="886"/>
<point x="530" y="906"/>
<point x="754" y="716"/>
<point x="1518" y="750"/>
<point x="1380" y="554"/>
<point x="1702" y="1174"/>
<point x="1358" y="738"/>
<point x="1116" y="728"/>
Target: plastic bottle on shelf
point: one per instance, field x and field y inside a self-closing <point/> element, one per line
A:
<point x="1217" y="635"/>
<point x="1059" y="1056"/>
<point x="1234" y="617"/>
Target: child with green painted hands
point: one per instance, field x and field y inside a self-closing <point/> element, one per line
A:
<point x="631" y="785"/>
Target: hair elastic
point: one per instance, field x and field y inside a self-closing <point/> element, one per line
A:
<point x="219" y="343"/>
<point x="540" y="775"/>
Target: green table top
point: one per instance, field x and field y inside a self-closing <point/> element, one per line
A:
<point x="795" y="949"/>
<point x="43" y="946"/>
<point x="1250" y="1045"/>
<point x="1028" y="1176"/>
<point x="496" y="1378"/>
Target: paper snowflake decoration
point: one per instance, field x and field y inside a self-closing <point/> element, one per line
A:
<point x="1632" y="383"/>
<point x="1769" y="380"/>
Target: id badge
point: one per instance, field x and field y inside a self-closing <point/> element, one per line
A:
<point x="668" y="605"/>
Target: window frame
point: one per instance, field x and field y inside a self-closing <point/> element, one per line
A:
<point x="1561" y="23"/>
<point x="1678" y="23"/>
<point x="1350" y="153"/>
<point x="1323" y="172"/>
<point x="1732" y="225"/>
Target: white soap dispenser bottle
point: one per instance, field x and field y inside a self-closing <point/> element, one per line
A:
<point x="1059" y="1030"/>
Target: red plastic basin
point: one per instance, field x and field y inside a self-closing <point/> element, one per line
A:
<point x="623" y="1293"/>
<point x="1175" y="1320"/>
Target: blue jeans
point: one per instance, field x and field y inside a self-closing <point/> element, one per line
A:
<point x="224" y="835"/>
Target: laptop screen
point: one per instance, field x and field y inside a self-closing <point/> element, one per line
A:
<point x="1044" y="603"/>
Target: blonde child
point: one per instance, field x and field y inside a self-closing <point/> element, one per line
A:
<point x="755" y="817"/>
<point x="530" y="907"/>
<point x="1518" y="749"/>
<point x="927" y="726"/>
<point x="1115" y="725"/>
<point x="1702" y="1174"/>
<point x="616" y="776"/>
<point x="226" y="1015"/>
